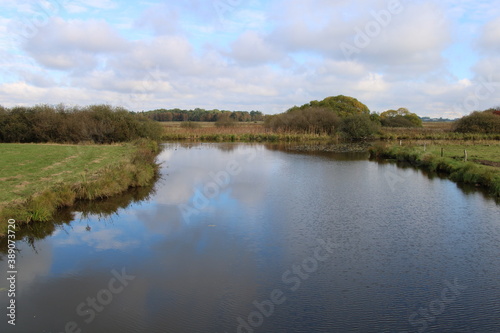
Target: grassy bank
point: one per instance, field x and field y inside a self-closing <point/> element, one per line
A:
<point x="482" y="167"/>
<point x="37" y="179"/>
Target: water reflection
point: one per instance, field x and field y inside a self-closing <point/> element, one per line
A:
<point x="229" y="224"/>
<point x="102" y="209"/>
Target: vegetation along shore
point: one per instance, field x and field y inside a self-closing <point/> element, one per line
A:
<point x="69" y="155"/>
<point x="53" y="156"/>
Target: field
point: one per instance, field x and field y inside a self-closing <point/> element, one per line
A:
<point x="26" y="169"/>
<point x="432" y="131"/>
<point x="37" y="179"/>
<point x="256" y="132"/>
<point x="241" y="131"/>
<point x="486" y="154"/>
<point x="482" y="167"/>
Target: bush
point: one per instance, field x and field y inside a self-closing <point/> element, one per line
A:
<point x="358" y="127"/>
<point x="95" y="123"/>
<point x="397" y="121"/>
<point x="317" y="120"/>
<point x="400" y="118"/>
<point x="225" y="121"/>
<point x="190" y="124"/>
<point x="479" y="122"/>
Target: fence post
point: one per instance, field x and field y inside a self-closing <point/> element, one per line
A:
<point x="465" y="155"/>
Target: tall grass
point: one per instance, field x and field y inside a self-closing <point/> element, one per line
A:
<point x="432" y="131"/>
<point x="241" y="132"/>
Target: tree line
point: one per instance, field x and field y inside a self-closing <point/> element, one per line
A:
<point x="62" y="124"/>
<point x="202" y="115"/>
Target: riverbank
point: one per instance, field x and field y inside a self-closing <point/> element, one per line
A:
<point x="475" y="164"/>
<point x="355" y="147"/>
<point x="38" y="179"/>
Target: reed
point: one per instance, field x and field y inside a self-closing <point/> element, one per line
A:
<point x="240" y="132"/>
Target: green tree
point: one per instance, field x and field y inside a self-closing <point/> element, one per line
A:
<point x="343" y="106"/>
<point x="401" y="117"/>
<point x="358" y="127"/>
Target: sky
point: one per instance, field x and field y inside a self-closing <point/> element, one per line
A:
<point x="436" y="58"/>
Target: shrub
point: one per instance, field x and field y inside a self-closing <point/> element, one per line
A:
<point x="397" y="121"/>
<point x="400" y="118"/>
<point x="190" y="124"/>
<point x="317" y="120"/>
<point x="225" y="121"/>
<point x="479" y="122"/>
<point x="95" y="123"/>
<point x="358" y="127"/>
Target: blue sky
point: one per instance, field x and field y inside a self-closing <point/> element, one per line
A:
<point x="436" y="58"/>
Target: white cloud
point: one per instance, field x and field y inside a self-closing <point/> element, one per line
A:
<point x="75" y="43"/>
<point x="267" y="56"/>
<point x="78" y="6"/>
<point x="251" y="49"/>
<point x="490" y="39"/>
<point x="161" y="19"/>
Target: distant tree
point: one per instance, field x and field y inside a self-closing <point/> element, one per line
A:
<point x="256" y="116"/>
<point x="401" y="117"/>
<point x="225" y="120"/>
<point x="343" y="106"/>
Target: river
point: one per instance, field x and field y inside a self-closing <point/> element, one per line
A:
<point x="254" y="238"/>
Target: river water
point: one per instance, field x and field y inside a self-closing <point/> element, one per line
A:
<point x="253" y="238"/>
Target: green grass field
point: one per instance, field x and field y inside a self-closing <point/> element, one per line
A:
<point x="482" y="153"/>
<point x="482" y="167"/>
<point x="27" y="169"/>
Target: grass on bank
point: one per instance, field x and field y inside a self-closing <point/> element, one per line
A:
<point x="36" y="179"/>
<point x="482" y="167"/>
